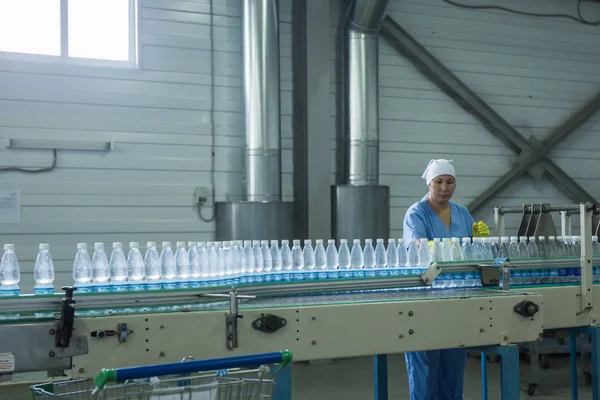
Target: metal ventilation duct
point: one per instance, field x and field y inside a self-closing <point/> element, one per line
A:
<point x="261" y="95"/>
<point x="361" y="71"/>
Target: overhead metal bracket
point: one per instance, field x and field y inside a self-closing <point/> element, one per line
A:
<point x="531" y="154"/>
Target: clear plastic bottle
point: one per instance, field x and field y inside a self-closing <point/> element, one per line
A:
<point x="436" y="250"/>
<point x="413" y="260"/>
<point x="503" y="249"/>
<point x="100" y="268"/>
<point x="381" y="258"/>
<point x="513" y="251"/>
<point x="259" y="262"/>
<point x="194" y="261"/>
<point x="357" y="260"/>
<point x="221" y="269"/>
<point x="392" y="256"/>
<point x="248" y="275"/>
<point x="455" y="250"/>
<point x="43" y="271"/>
<point x="10" y="272"/>
<point x="182" y="262"/>
<point x="369" y="258"/>
<point x="118" y="268"/>
<point x="267" y="261"/>
<point x="236" y="259"/>
<point x="467" y="248"/>
<point x="523" y="248"/>
<point x="297" y="261"/>
<point x="477" y="248"/>
<point x="532" y="276"/>
<point x="446" y="249"/>
<point x="227" y="254"/>
<point x="552" y="252"/>
<point x="402" y="259"/>
<point x="320" y="260"/>
<point x="276" y="261"/>
<point x="560" y="246"/>
<point x="287" y="264"/>
<point x="152" y="269"/>
<point x="82" y="269"/>
<point x="488" y="248"/>
<point x="135" y="267"/>
<point x="309" y="260"/>
<point x="345" y="264"/>
<point x="595" y="254"/>
<point x="331" y="254"/>
<point x="495" y="246"/>
<point x="545" y="274"/>
<point x="204" y="264"/>
<point x="168" y="266"/>
<point x="213" y="264"/>
<point x="424" y="255"/>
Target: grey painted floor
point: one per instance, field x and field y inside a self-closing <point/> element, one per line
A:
<point x="324" y="381"/>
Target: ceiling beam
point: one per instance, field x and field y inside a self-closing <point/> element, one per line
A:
<point x="450" y="84"/>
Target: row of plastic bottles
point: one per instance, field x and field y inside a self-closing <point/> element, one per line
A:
<point x="237" y="262"/>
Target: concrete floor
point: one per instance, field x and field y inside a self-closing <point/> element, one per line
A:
<point x="352" y="379"/>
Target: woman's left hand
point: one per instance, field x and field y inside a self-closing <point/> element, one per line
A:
<point x="480" y="229"/>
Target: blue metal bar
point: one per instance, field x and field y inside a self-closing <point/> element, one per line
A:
<point x="484" y="380"/>
<point x="197" y="366"/>
<point x="380" y="376"/>
<point x="509" y="371"/>
<point x="573" y="363"/>
<point x="594" y="332"/>
<point x="283" y="384"/>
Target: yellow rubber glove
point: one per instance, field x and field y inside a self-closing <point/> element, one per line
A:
<point x="480" y="229"/>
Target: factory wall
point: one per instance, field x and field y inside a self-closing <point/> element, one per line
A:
<point x="533" y="71"/>
<point x="159" y="118"/>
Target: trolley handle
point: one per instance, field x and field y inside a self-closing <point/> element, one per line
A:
<point x="148" y="371"/>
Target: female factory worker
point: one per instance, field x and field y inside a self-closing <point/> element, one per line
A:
<point x="438" y="374"/>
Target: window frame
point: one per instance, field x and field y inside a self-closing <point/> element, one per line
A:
<point x="64" y="58"/>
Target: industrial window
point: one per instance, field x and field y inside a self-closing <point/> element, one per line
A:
<point x="88" y="32"/>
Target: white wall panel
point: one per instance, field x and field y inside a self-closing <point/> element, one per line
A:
<point x="159" y="117"/>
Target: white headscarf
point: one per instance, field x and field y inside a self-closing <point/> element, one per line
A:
<point x="436" y="168"/>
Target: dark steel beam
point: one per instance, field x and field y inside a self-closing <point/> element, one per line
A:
<point x="313" y="127"/>
<point x="450" y="84"/>
<point x="561" y="180"/>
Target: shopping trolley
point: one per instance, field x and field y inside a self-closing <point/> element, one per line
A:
<point x="234" y="378"/>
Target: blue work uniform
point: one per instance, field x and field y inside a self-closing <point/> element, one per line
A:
<point x="436" y="374"/>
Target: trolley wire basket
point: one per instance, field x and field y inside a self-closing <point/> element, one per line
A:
<point x="235" y="378"/>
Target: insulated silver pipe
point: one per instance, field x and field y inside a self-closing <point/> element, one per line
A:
<point x="261" y="99"/>
<point x="362" y="99"/>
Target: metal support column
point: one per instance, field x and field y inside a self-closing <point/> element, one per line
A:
<point x="594" y="332"/>
<point x="313" y="126"/>
<point x="380" y="376"/>
<point x="283" y="384"/>
<point x="573" y="364"/>
<point x="509" y="370"/>
<point x="484" y="380"/>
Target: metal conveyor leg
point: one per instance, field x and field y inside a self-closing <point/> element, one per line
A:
<point x="595" y="334"/>
<point x="283" y="384"/>
<point x="380" y="376"/>
<point x="573" y="364"/>
<point x="484" y="381"/>
<point x="509" y="371"/>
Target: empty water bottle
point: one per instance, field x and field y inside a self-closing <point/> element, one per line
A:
<point x="392" y="256"/>
<point x="308" y="254"/>
<point x="182" y="262"/>
<point x="495" y="241"/>
<point x="259" y="262"/>
<point x="357" y="260"/>
<point x="402" y="259"/>
<point x="168" y="266"/>
<point x="10" y="274"/>
<point x="221" y="269"/>
<point x="477" y="251"/>
<point x="369" y="258"/>
<point x="424" y="256"/>
<point x="118" y="268"/>
<point x="194" y="261"/>
<point x="203" y="257"/>
<point x="504" y="245"/>
<point x="248" y="276"/>
<point x="100" y="268"/>
<point x="381" y="258"/>
<point x="267" y="261"/>
<point x="287" y="264"/>
<point x="467" y="249"/>
<point x="412" y="264"/>
<point x="552" y="252"/>
<point x="514" y="253"/>
<point x="135" y="267"/>
<point x="456" y="251"/>
<point x="446" y="249"/>
<point x="297" y="262"/>
<point x="331" y="254"/>
<point x="344" y="260"/>
<point x="82" y="269"/>
<point x="320" y="260"/>
<point x="43" y="271"/>
<point x="226" y="252"/>
<point x="152" y="267"/>
<point x="276" y="261"/>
